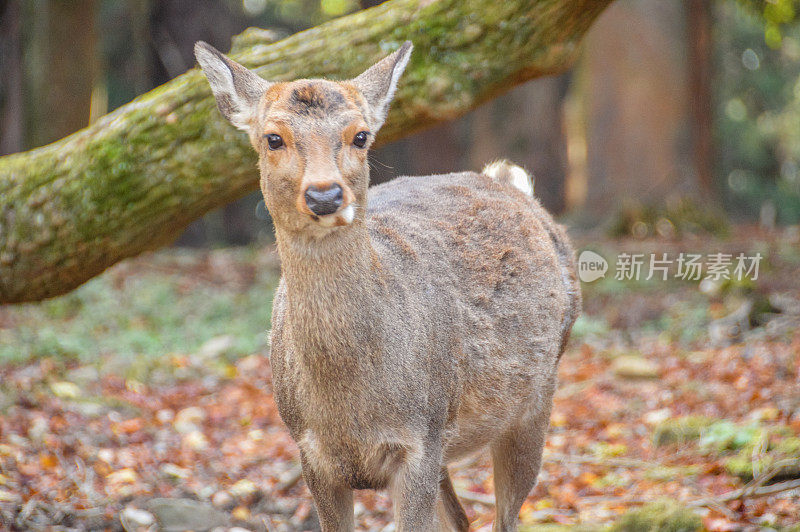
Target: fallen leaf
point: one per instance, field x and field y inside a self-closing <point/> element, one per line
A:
<point x="241" y="513"/>
<point x="243" y="488"/>
<point x="8" y="496"/>
<point x="634" y="367"/>
<point x="175" y="471"/>
<point x="196" y="440"/>
<point x="123" y="476"/>
<point x="65" y="389"/>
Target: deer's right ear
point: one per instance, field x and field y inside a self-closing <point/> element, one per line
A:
<point x="236" y="89"/>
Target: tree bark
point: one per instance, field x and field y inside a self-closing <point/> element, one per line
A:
<point x="134" y="179"/>
<point x="12" y="131"/>
<point x="699" y="22"/>
<point x="638" y="148"/>
<point x="61" y="68"/>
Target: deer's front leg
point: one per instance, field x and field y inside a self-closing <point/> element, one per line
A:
<point x="415" y="488"/>
<point x="334" y="501"/>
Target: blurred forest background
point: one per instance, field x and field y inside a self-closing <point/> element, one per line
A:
<point x="143" y="396"/>
<point x="692" y="101"/>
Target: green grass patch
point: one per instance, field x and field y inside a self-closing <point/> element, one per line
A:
<point x="666" y="516"/>
<point x="586" y="326"/>
<point x="658" y="517"/>
<point x="679" y="430"/>
<point x="668" y="473"/>
<point x="726" y="435"/>
<point x="148" y="314"/>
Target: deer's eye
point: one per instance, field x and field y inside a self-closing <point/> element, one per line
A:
<point x="274" y="141"/>
<point x="360" y="139"/>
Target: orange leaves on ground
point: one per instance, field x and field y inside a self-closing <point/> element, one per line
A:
<point x="217" y="436"/>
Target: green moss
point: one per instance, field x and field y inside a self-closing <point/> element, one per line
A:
<point x="551" y="527"/>
<point x="674" y="217"/>
<point x="589" y="326"/>
<point x="667" y="473"/>
<point x="725" y="435"/>
<point x="785" y="452"/>
<point x="679" y="430"/>
<point x="658" y="517"/>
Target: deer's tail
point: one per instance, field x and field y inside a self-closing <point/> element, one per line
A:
<point x="509" y="173"/>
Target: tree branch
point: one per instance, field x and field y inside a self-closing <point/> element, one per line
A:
<point x="133" y="180"/>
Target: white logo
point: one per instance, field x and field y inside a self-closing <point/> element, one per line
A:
<point x="591" y="266"/>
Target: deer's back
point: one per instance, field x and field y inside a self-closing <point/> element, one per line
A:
<point x="481" y="243"/>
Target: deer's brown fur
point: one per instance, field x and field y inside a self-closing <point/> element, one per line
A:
<point x="421" y="327"/>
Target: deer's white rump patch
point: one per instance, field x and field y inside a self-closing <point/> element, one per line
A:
<point x="506" y="172"/>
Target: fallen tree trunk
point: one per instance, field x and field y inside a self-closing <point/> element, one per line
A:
<point x="134" y="179"/>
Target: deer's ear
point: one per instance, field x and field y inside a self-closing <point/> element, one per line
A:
<point x="236" y="89"/>
<point x="379" y="82"/>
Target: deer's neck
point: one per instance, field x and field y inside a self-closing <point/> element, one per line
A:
<point x="334" y="293"/>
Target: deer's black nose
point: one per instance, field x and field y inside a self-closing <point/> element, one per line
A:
<point x="322" y="201"/>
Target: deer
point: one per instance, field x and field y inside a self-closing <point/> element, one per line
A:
<point x="416" y="322"/>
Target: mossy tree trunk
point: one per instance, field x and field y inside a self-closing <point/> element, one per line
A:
<point x="134" y="179"/>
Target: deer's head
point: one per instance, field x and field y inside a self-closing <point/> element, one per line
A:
<point x="311" y="135"/>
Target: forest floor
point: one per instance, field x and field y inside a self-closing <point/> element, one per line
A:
<point x="145" y="394"/>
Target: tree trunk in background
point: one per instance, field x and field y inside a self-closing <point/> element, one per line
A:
<point x="12" y="133"/>
<point x="175" y="26"/>
<point x="637" y="110"/>
<point x="62" y="68"/>
<point x="134" y="179"/>
<point x="526" y="126"/>
<point x="699" y="25"/>
<point x="438" y="150"/>
<point x="139" y="55"/>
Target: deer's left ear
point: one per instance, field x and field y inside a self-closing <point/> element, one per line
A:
<point x="236" y="89"/>
<point x="379" y="82"/>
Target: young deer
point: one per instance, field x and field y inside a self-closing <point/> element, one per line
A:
<point x="416" y="322"/>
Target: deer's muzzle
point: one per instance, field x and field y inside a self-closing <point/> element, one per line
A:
<point x="324" y="201"/>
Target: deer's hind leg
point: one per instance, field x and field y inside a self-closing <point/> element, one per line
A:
<point x="334" y="502"/>
<point x="451" y="513"/>
<point x="516" y="459"/>
<point x="415" y="490"/>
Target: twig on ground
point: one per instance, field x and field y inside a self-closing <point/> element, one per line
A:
<point x="770" y="473"/>
<point x="750" y="493"/>
<point x="479" y="498"/>
<point x="604" y="499"/>
<point x="755" y="488"/>
<point x="291" y="477"/>
<point x="719" y="507"/>
<point x="586" y="459"/>
<point x="724" y="510"/>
